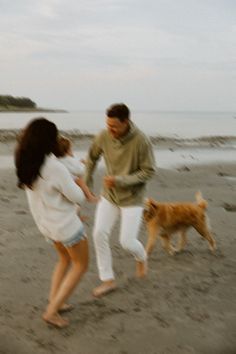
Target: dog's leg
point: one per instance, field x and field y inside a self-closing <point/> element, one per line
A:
<point x="203" y="230"/>
<point x="152" y="236"/>
<point x="167" y="245"/>
<point x="182" y="240"/>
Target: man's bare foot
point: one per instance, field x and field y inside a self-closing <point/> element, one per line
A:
<point x="105" y="288"/>
<point x="66" y="308"/>
<point x="55" y="320"/>
<point x="141" y="269"/>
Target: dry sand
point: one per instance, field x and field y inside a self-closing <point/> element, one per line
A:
<point x="185" y="306"/>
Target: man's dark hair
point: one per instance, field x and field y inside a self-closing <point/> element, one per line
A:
<point x="118" y="110"/>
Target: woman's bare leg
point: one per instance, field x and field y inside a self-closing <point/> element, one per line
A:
<point x="79" y="258"/>
<point x="60" y="269"/>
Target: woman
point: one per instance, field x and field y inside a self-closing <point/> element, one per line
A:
<point x="53" y="197"/>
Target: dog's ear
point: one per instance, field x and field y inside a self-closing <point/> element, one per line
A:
<point x="150" y="209"/>
<point x="150" y="204"/>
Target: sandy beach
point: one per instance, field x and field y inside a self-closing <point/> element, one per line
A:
<point x="186" y="305"/>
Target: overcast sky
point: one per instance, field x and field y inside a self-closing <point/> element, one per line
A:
<point x="150" y="54"/>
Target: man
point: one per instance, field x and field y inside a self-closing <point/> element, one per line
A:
<point x="129" y="164"/>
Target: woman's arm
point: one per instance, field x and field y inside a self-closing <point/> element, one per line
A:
<point x="67" y="186"/>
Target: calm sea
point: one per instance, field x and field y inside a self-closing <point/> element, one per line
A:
<point x="155" y="123"/>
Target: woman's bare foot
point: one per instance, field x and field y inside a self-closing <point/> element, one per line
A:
<point x="66" y="308"/>
<point x="105" y="288"/>
<point x="141" y="269"/>
<point x="55" y="320"/>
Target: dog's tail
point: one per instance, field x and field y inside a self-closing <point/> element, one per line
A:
<point x="202" y="203"/>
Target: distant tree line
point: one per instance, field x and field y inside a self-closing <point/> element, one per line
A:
<point x="22" y="102"/>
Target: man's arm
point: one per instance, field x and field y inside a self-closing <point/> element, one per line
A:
<point x="93" y="156"/>
<point x="146" y="170"/>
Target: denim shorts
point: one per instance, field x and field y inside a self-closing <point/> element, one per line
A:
<point x="78" y="236"/>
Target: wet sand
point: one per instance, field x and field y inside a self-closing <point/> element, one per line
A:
<point x="186" y="304"/>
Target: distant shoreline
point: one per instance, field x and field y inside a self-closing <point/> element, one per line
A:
<point x="158" y="140"/>
<point x="23" y="110"/>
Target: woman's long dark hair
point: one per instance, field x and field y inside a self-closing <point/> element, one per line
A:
<point x="37" y="140"/>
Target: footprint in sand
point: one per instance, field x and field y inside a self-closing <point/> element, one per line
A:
<point x="229" y="207"/>
<point x="6" y="200"/>
<point x="184" y="169"/>
<point x="20" y="212"/>
<point x="163" y="323"/>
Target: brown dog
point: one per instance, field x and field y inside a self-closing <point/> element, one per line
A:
<point x="164" y="219"/>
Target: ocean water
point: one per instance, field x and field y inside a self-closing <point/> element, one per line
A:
<point x="173" y="125"/>
<point x="154" y="123"/>
<point x="166" y="158"/>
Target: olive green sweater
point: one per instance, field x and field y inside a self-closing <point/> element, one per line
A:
<point x="130" y="159"/>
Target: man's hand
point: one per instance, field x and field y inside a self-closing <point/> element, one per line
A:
<point x="109" y="181"/>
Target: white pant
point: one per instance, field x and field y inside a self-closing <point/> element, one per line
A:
<point x="105" y="218"/>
